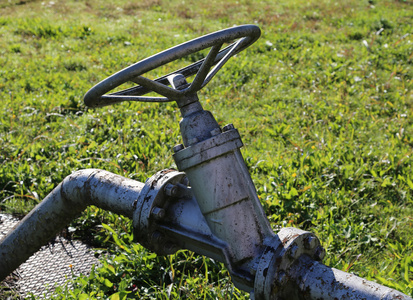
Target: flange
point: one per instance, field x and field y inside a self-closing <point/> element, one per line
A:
<point x="272" y="276"/>
<point x="151" y="208"/>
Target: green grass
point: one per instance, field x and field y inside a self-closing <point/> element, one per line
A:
<point x="323" y="102"/>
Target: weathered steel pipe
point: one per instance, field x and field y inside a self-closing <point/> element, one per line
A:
<point x="317" y="281"/>
<point x="77" y="191"/>
<point x="291" y="268"/>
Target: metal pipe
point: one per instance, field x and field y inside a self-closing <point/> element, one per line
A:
<point x="77" y="191"/>
<point x="310" y="279"/>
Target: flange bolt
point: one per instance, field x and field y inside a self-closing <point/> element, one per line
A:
<point x="171" y="190"/>
<point x="279" y="281"/>
<point x="185" y="181"/>
<point x="157" y="237"/>
<point x="281" y="278"/>
<point x="158" y="213"/>
<point x="310" y="242"/>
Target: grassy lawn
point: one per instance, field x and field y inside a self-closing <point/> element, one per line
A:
<point x="323" y="102"/>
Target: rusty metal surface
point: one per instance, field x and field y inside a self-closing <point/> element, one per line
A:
<point x="282" y="252"/>
<point x="51" y="266"/>
<point x="309" y="279"/>
<point x="291" y="268"/>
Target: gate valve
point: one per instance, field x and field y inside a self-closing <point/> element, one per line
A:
<point x="219" y="180"/>
<point x="209" y="206"/>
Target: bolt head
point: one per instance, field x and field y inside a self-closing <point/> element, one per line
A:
<point x="278" y="284"/>
<point x="157" y="237"/>
<point x="310" y="242"/>
<point x="185" y="181"/>
<point x="228" y="127"/>
<point x="171" y="190"/>
<point x="158" y="213"/>
<point x="170" y="248"/>
<point x="178" y="147"/>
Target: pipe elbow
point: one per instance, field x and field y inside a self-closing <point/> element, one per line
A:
<point x="101" y="188"/>
<point x="75" y="187"/>
<point x="77" y="191"/>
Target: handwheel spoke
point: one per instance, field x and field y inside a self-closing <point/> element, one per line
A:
<point x="138" y="90"/>
<point x="204" y="69"/>
<point x="111" y="99"/>
<point x="158" y="87"/>
<point x="221" y="62"/>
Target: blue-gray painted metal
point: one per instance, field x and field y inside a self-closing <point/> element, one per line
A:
<point x="218" y="214"/>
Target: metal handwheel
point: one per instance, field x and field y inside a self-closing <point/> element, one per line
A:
<point x="245" y="36"/>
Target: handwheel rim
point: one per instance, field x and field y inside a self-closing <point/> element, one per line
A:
<point x="97" y="96"/>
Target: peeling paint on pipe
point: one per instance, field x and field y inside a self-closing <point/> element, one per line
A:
<point x="77" y="191"/>
<point x="317" y="281"/>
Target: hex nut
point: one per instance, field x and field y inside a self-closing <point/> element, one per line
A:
<point x="310" y="242"/>
<point x="228" y="127"/>
<point x="277" y="284"/>
<point x="170" y="248"/>
<point x="185" y="181"/>
<point x="157" y="237"/>
<point x="171" y="190"/>
<point x="178" y="147"/>
<point x="158" y="213"/>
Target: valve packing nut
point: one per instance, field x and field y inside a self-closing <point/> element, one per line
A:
<point x="158" y="213"/>
<point x="228" y="127"/>
<point x="171" y="190"/>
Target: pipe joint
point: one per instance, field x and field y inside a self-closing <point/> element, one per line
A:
<point x="283" y="251"/>
<point x="151" y="210"/>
